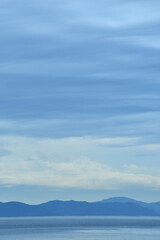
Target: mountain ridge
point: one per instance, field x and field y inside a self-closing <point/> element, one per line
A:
<point x="116" y="206"/>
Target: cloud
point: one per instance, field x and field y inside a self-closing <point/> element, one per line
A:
<point x="4" y="152"/>
<point x="135" y="168"/>
<point x="68" y="162"/>
<point x="58" y="124"/>
<point x="145" y="41"/>
<point x="115" y="14"/>
<point x="48" y="38"/>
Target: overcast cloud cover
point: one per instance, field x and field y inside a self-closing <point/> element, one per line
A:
<point x="79" y="99"/>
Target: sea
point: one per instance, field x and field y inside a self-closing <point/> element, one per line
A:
<point x="80" y="228"/>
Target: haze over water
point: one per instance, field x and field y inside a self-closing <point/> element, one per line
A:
<point x="78" y="228"/>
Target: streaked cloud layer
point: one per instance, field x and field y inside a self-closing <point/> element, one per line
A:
<point x="80" y="89"/>
<point x="75" y="162"/>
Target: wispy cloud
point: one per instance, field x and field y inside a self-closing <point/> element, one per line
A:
<point x="71" y="162"/>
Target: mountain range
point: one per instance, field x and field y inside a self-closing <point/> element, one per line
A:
<point x="117" y="206"/>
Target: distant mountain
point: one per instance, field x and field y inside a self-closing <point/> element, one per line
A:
<point x="18" y="209"/>
<point x="153" y="206"/>
<point x="109" y="207"/>
<point x="124" y="200"/>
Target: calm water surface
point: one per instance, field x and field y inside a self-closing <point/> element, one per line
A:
<point x="78" y="228"/>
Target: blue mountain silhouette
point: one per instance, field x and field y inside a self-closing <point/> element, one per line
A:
<point x="110" y="207"/>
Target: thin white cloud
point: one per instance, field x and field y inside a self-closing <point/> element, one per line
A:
<point x="135" y="168"/>
<point x="113" y="14"/>
<point x="145" y="41"/>
<point x="56" y="18"/>
<point x="66" y="162"/>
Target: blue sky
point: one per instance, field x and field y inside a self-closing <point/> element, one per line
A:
<point x="79" y="100"/>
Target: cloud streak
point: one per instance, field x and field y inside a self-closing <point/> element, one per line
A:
<point x="72" y="163"/>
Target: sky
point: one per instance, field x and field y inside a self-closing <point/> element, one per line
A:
<point x="79" y="100"/>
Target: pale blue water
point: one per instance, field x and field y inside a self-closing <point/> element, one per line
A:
<point x="78" y="228"/>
